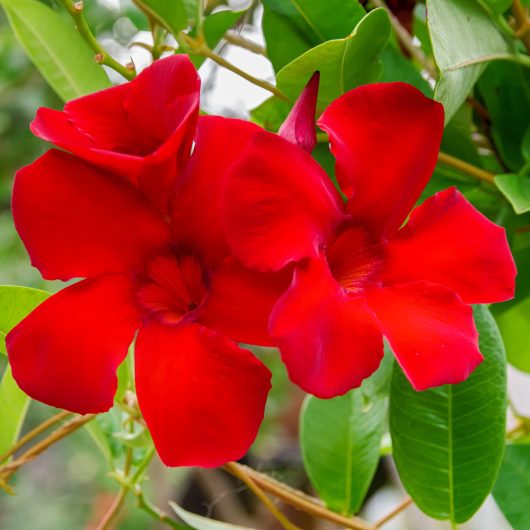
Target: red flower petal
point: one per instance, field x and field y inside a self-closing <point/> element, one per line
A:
<point x="299" y="127"/>
<point x="78" y="221"/>
<point x="202" y="397"/>
<point x="280" y="205"/>
<point x="240" y="301"/>
<point x="432" y="333"/>
<point x="152" y="116"/>
<point x="196" y="208"/>
<point x="329" y="341"/>
<point x="447" y="241"/>
<point x="385" y="138"/>
<point x="65" y="353"/>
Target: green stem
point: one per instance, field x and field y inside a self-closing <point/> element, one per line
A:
<point x="199" y="46"/>
<point x="102" y="56"/>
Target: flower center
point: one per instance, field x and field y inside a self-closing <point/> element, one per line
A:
<point x="355" y="259"/>
<point x="172" y="287"/>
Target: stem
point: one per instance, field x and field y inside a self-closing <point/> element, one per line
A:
<point x="300" y="500"/>
<point x="113" y="511"/>
<point x="200" y="47"/>
<point x="407" y="42"/>
<point x="523" y="23"/>
<point x="64" y="430"/>
<point x="397" y="510"/>
<point x="465" y="167"/>
<point x="241" y="473"/>
<point x="34" y="433"/>
<point x="153" y="511"/>
<point x="235" y="38"/>
<point x="102" y="56"/>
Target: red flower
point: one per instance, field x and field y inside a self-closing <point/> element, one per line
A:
<point x="129" y="128"/>
<point x="170" y="277"/>
<point x="359" y="274"/>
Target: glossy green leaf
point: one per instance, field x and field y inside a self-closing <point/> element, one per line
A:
<point x="291" y="27"/>
<point x="172" y="15"/>
<point x="56" y="48"/>
<point x="448" y="441"/>
<point x="15" y="303"/>
<point x="505" y="90"/>
<point x="14" y="405"/>
<point x="512" y="489"/>
<point x="198" y="522"/>
<point x="516" y="188"/>
<point x="461" y="31"/>
<point x="343" y="63"/>
<point x="340" y="440"/>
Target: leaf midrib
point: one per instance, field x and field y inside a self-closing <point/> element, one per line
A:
<point x="308" y="21"/>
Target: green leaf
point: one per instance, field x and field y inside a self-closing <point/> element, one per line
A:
<point x="56" y="48"/>
<point x="15" y="303"/>
<point x="505" y="89"/>
<point x="14" y="405"/>
<point x="291" y="27"/>
<point x="448" y="441"/>
<point x="172" y="15"/>
<point x="516" y="189"/>
<point x="203" y="523"/>
<point x="343" y="64"/>
<point x="512" y="489"/>
<point x="497" y="6"/>
<point x="397" y="68"/>
<point x="214" y="27"/>
<point x="271" y="113"/>
<point x="461" y="31"/>
<point x="514" y="324"/>
<point x="340" y="440"/>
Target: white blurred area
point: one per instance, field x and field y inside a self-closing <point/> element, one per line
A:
<point x="225" y="93"/>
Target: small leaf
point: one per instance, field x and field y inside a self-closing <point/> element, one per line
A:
<point x="461" y="31"/>
<point x="198" y="522"/>
<point x="141" y="438"/>
<point x="343" y="64"/>
<point x="448" y="442"/>
<point x="172" y="15"/>
<point x="340" y="440"/>
<point x="56" y="48"/>
<point x="516" y="189"/>
<point x="14" y="405"/>
<point x="15" y="303"/>
<point x="291" y="27"/>
<point x="512" y="489"/>
<point x="214" y="28"/>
